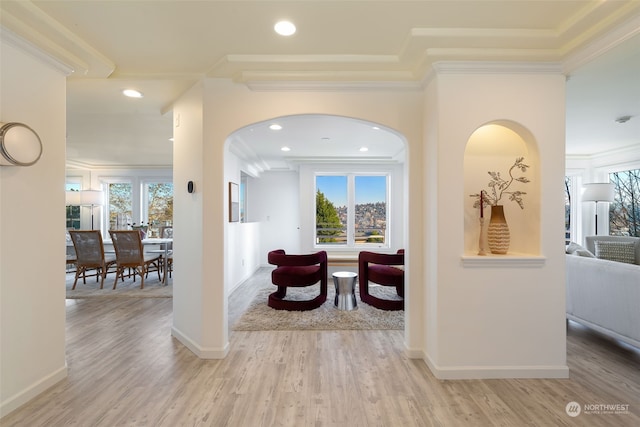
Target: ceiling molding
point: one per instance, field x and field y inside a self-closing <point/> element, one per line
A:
<point x="332" y="86"/>
<point x="343" y="160"/>
<point x="33" y="25"/>
<point x="613" y="38"/>
<point x="496" y="67"/>
<point x="13" y="39"/>
<point x="74" y="164"/>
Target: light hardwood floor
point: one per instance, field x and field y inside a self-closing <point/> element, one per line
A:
<point x="125" y="369"/>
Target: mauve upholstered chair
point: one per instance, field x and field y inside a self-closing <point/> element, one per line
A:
<point x="297" y="271"/>
<point x="383" y="269"/>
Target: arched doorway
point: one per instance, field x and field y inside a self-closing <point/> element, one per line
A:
<point x="282" y="157"/>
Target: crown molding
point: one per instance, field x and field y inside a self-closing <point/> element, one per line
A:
<point x="601" y="45"/>
<point x="18" y="42"/>
<point x="77" y="165"/>
<point x="496" y="67"/>
<point x="332" y="86"/>
<point x="30" y="23"/>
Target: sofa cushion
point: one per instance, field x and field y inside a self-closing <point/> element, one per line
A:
<point x="590" y="243"/>
<point x="616" y="251"/>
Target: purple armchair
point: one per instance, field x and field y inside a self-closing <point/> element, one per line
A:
<point x="297" y="271"/>
<point x="381" y="269"/>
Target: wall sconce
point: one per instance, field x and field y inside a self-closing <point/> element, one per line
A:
<point x="19" y="145"/>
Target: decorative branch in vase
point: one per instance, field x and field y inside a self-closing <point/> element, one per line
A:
<point x="498" y="232"/>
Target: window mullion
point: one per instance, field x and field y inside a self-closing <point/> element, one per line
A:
<point x="351" y="210"/>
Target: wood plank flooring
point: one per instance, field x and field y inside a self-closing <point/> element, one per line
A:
<point x="125" y="369"/>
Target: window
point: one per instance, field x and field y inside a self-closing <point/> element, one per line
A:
<point x="73" y="212"/>
<point x="351" y="210"/>
<point x="624" y="212"/>
<point x="244" y="181"/>
<point x="157" y="205"/>
<point x="119" y="203"/>
<point x="568" y="185"/>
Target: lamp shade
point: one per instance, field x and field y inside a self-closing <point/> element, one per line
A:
<point x="598" y="192"/>
<point x="91" y="198"/>
<point x="72" y="198"/>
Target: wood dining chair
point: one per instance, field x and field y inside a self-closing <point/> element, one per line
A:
<point x="130" y="254"/>
<point x="89" y="255"/>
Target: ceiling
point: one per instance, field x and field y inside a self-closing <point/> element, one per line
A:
<point x="162" y="48"/>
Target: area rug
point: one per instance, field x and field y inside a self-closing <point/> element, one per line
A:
<point x="260" y="317"/>
<point x="153" y="288"/>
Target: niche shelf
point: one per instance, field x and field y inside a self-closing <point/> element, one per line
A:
<point x="494" y="147"/>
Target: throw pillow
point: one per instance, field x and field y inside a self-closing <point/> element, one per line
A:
<point x="572" y="248"/>
<point x="616" y="251"/>
<point x="584" y="253"/>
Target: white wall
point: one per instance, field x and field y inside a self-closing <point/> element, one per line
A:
<point x="496" y="316"/>
<point x="196" y="275"/>
<point x="495" y="320"/>
<point x="32" y="290"/>
<point x="243" y="239"/>
<point x="276" y="202"/>
<point x="225" y="108"/>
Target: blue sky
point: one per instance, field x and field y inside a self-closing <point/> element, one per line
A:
<point x="369" y="189"/>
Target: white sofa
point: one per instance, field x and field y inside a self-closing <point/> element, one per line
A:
<point x="605" y="295"/>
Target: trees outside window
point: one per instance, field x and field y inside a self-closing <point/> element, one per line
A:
<point x="120" y="199"/>
<point x="158" y="198"/>
<point x="73" y="212"/>
<point x="568" y="185"/>
<point x="624" y="212"/>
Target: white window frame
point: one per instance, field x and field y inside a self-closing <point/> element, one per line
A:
<point x="135" y="190"/>
<point x="351" y="213"/>
<point x="144" y="194"/>
<point x="395" y="205"/>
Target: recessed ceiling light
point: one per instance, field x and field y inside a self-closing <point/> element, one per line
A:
<point x="375" y="128"/>
<point x="171" y="139"/>
<point x="363" y="149"/>
<point x="132" y="93"/>
<point x="284" y="28"/>
<point x="285" y="149"/>
<point x="275" y="127"/>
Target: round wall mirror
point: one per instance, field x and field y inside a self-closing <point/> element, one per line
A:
<point x="19" y="145"/>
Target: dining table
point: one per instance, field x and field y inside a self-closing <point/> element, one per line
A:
<point x="166" y="244"/>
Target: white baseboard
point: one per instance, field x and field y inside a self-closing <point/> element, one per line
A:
<point x="202" y="353"/>
<point x="19" y="399"/>
<point x="495" y="372"/>
<point x="414" y="353"/>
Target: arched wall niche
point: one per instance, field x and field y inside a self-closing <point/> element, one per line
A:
<point x="494" y="147"/>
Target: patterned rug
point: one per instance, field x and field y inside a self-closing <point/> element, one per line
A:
<point x="260" y="317"/>
<point x="153" y="288"/>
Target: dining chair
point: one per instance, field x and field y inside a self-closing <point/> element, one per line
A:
<point x="166" y="250"/>
<point x="130" y="254"/>
<point x="89" y="255"/>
